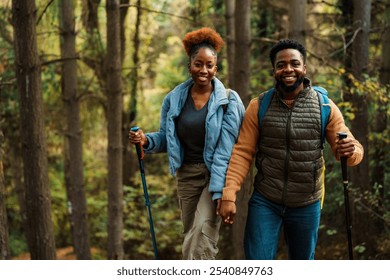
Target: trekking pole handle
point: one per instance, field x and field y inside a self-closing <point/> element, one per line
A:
<point x="343" y="135"/>
<point x="138" y="146"/>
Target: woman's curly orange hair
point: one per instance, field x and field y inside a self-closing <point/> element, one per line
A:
<point x="203" y="35"/>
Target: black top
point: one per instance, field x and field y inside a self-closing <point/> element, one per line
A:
<point x="190" y="127"/>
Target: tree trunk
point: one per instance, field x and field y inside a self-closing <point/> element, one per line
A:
<point x="230" y="39"/>
<point x="114" y="120"/>
<point x="242" y="50"/>
<point x="226" y="232"/>
<point x="34" y="148"/>
<point x="123" y="13"/>
<point x="134" y="75"/>
<point x="381" y="118"/>
<point x="384" y="74"/>
<point x="93" y="57"/>
<point x="241" y="83"/>
<point x="128" y="154"/>
<point x="74" y="178"/>
<point x="195" y="8"/>
<point x="4" y="248"/>
<point x="359" y="125"/>
<point x="129" y="161"/>
<point x="297" y="20"/>
<point x="90" y="14"/>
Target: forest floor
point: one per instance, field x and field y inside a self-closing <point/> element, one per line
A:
<point x="66" y="253"/>
<point x="326" y="253"/>
<point x="332" y="249"/>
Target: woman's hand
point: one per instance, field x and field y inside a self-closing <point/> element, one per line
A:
<point x="138" y="137"/>
<point x="227" y="211"/>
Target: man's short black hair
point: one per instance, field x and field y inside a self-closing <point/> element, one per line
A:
<point x="286" y="44"/>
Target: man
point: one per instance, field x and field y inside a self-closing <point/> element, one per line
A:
<point x="289" y="159"/>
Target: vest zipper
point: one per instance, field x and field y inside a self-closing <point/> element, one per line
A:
<point x="286" y="159"/>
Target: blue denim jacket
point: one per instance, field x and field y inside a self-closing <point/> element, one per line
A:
<point x="222" y="130"/>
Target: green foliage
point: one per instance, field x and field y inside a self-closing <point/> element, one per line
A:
<point x="9" y="110"/>
<point x="59" y="206"/>
<point x="172" y="67"/>
<point x="165" y="214"/>
<point x="359" y="249"/>
<point x="331" y="231"/>
<point x="17" y="243"/>
<point x="95" y="178"/>
<point x="97" y="219"/>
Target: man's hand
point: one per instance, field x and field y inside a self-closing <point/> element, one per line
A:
<point x="345" y="147"/>
<point x="227" y="211"/>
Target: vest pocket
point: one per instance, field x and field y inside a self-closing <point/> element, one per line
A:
<point x="259" y="165"/>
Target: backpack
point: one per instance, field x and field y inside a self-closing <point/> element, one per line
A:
<point x="324" y="108"/>
<point x="224" y="106"/>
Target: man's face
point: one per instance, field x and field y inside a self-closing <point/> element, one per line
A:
<point x="289" y="70"/>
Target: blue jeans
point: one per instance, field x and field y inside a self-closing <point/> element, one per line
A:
<point x="264" y="224"/>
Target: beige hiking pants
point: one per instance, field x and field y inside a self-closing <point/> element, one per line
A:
<point x="201" y="224"/>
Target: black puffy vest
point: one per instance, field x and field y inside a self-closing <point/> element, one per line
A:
<point x="290" y="160"/>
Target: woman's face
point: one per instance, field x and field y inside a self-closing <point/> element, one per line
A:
<point x="203" y="67"/>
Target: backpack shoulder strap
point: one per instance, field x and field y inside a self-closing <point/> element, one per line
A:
<point x="228" y="90"/>
<point x="224" y="106"/>
<point x="263" y="106"/>
<point x="325" y="110"/>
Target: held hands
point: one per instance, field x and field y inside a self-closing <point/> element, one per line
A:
<point x="227" y="210"/>
<point x="345" y="147"/>
<point x="138" y="137"/>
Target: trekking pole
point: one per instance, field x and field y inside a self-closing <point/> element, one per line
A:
<point x="344" y="171"/>
<point x="146" y="195"/>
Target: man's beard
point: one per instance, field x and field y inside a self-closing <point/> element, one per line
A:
<point x="281" y="85"/>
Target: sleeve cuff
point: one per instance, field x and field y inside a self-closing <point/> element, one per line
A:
<point x="216" y="195"/>
<point x="229" y="195"/>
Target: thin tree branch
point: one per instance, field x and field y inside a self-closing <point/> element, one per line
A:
<point x="347" y="44"/>
<point x="386" y="220"/>
<point x="44" y="11"/>
<point x="59" y="60"/>
<point x="8" y="83"/>
<point x="323" y="60"/>
<point x="157" y="12"/>
<point x="264" y="39"/>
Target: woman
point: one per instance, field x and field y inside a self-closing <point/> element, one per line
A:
<point x="199" y="125"/>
